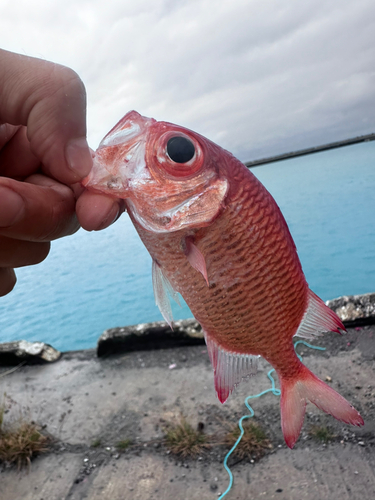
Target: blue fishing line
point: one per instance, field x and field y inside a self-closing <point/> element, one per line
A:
<point x="307" y="345"/>
<point x="274" y="391"/>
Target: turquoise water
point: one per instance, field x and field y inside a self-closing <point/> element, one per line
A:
<point x="94" y="281"/>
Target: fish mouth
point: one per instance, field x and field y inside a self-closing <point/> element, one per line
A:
<point x="120" y="157"/>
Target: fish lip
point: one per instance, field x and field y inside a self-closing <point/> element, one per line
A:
<point x="120" y="157"/>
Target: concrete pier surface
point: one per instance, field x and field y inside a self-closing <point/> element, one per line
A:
<point x="89" y="405"/>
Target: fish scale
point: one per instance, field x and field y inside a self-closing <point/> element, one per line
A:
<point x="218" y="238"/>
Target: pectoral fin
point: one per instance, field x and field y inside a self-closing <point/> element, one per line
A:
<point x="195" y="257"/>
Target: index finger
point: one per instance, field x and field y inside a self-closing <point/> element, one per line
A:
<point x="50" y="100"/>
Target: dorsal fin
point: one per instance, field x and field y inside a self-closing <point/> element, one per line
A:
<point x="317" y="319"/>
<point x="162" y="287"/>
<point x="229" y="368"/>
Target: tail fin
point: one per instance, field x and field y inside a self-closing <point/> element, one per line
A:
<point x="294" y="395"/>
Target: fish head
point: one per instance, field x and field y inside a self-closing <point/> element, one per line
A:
<point x="170" y="177"/>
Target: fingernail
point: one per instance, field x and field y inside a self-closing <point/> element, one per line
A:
<point x="12" y="207"/>
<point x="79" y="157"/>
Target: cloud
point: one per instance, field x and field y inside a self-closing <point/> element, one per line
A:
<point x="259" y="77"/>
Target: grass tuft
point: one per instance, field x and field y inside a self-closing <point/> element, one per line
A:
<point x="322" y="433"/>
<point x="253" y="444"/>
<point x="123" y="445"/>
<point x="183" y="440"/>
<point x="20" y="441"/>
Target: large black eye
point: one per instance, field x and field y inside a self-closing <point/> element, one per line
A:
<point x="180" y="149"/>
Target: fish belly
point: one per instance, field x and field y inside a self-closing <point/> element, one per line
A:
<point x="257" y="292"/>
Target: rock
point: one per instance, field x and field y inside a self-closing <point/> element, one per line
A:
<point x="13" y="353"/>
<point x="147" y="336"/>
<point x="354" y="310"/>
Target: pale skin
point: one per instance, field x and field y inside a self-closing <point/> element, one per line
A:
<point x="43" y="157"/>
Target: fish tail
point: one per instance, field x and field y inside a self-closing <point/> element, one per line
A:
<point x="307" y="387"/>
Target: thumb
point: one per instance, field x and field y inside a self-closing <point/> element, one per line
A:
<point x="50" y="100"/>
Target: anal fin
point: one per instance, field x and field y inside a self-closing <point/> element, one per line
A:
<point x="230" y="368"/>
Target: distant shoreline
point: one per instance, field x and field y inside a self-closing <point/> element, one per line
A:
<point x="316" y="149"/>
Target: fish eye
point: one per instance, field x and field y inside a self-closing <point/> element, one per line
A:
<point x="180" y="149"/>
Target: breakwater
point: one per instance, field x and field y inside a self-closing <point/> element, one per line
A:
<point x="308" y="151"/>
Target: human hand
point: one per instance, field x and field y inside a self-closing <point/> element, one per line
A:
<point x="43" y="156"/>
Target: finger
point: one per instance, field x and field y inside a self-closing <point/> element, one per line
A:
<point x="51" y="101"/>
<point x="7" y="280"/>
<point x="96" y="211"/>
<point x="16" y="158"/>
<point x="40" y="209"/>
<point x="18" y="253"/>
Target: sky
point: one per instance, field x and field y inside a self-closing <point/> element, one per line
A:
<point x="258" y="77"/>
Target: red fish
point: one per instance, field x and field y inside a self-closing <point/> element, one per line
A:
<point x="218" y="238"/>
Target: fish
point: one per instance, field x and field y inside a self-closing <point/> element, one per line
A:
<point x="217" y="237"/>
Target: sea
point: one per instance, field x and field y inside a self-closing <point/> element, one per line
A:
<point x="94" y="281"/>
